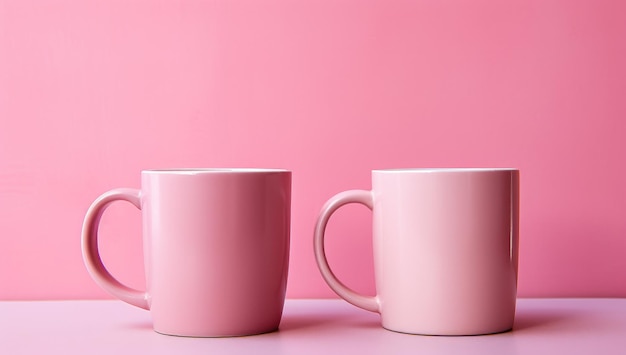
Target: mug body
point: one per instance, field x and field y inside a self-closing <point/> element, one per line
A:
<point x="216" y="249"/>
<point x="446" y="249"/>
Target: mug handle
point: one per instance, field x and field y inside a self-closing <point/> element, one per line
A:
<point x="91" y="254"/>
<point x="363" y="197"/>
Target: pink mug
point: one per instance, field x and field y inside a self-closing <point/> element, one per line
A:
<point x="216" y="249"/>
<point x="445" y="249"/>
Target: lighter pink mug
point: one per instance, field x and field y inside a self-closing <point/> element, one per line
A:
<point x="216" y="249"/>
<point x="445" y="249"/>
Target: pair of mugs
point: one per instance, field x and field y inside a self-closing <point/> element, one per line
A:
<point x="216" y="249"/>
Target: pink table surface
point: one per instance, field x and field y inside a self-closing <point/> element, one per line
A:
<point x="543" y="326"/>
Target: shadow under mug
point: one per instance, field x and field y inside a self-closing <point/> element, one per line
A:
<point x="445" y="249"/>
<point x="216" y="249"/>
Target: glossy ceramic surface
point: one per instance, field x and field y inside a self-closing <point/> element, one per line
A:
<point x="216" y="249"/>
<point x="445" y="249"/>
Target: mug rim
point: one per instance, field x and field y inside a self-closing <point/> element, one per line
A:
<point x="441" y="170"/>
<point x="195" y="171"/>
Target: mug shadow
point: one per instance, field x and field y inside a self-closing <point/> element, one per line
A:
<point x="524" y="320"/>
<point x="143" y="326"/>
<point x="308" y="321"/>
<point x="296" y="322"/>
<point x="532" y="319"/>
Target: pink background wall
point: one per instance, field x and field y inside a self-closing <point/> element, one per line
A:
<point x="93" y="91"/>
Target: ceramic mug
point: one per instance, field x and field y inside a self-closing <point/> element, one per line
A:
<point x="216" y="249"/>
<point x="445" y="249"/>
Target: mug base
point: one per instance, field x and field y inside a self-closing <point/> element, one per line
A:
<point x="450" y="334"/>
<point x="215" y="335"/>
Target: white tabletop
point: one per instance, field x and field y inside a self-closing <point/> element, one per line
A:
<point x="543" y="326"/>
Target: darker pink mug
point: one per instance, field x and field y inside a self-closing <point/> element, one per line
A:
<point x="216" y="249"/>
<point x="445" y="249"/>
